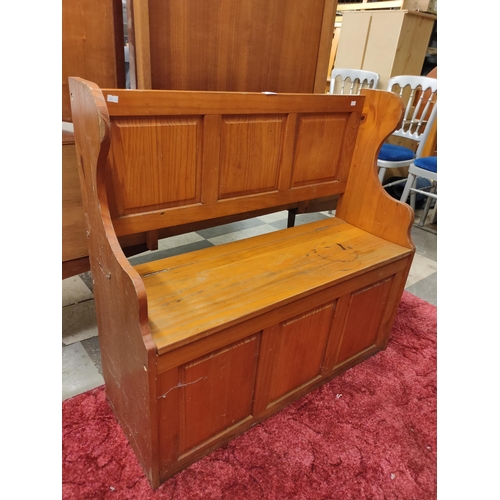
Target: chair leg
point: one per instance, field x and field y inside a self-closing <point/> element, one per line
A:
<point x="413" y="200"/>
<point x="381" y="174"/>
<point x="425" y="211"/>
<point x="434" y="214"/>
<point x="427" y="207"/>
<point x="406" y="191"/>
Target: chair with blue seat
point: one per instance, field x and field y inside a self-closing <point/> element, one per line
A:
<point x="423" y="167"/>
<point x="419" y="94"/>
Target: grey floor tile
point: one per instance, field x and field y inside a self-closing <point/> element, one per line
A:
<point x="93" y="349"/>
<point x="87" y="279"/>
<point x="78" y="322"/>
<point x="169" y="252"/>
<point x="425" y="243"/>
<point x="425" y="289"/>
<point x="242" y="234"/>
<point x="79" y="373"/>
<point x="313" y="217"/>
<point x="233" y="227"/>
<point x="74" y="290"/>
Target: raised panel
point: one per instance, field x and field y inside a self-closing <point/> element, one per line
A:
<point x="216" y="392"/>
<point x="251" y="151"/>
<point x="320" y="139"/>
<point x="365" y="311"/>
<point x="156" y="162"/>
<point x="292" y="354"/>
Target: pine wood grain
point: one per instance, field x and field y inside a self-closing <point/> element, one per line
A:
<point x="184" y="157"/>
<point x="127" y="348"/>
<point x="92" y="45"/>
<point x="365" y="203"/>
<point x="257" y="45"/>
<point x="191" y="296"/>
<point x="198" y="347"/>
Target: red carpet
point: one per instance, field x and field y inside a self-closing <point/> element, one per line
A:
<point x="368" y="434"/>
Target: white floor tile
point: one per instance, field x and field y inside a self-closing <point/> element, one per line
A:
<point x="74" y="290"/>
<point x="276" y="216"/>
<point x="78" y="372"/>
<point x="180" y="240"/>
<point x="78" y="322"/>
<point x="420" y="269"/>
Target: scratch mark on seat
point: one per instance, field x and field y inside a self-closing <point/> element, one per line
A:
<point x="155" y="272"/>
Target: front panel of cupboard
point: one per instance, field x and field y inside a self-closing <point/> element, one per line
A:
<point x="205" y="400"/>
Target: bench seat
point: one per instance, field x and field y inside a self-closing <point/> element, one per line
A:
<point x="214" y="288"/>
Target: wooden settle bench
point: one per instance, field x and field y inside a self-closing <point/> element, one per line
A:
<point x="197" y="348"/>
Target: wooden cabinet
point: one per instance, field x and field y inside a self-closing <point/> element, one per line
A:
<point x="92" y="45"/>
<point x="230" y="45"/>
<point x="390" y="42"/>
<point x="74" y="241"/>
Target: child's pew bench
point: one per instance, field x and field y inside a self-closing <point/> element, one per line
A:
<point x="199" y="347"/>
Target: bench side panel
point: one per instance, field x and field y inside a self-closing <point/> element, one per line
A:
<point x="365" y="203"/>
<point x="127" y="348"/>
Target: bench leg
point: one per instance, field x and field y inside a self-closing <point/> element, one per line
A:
<point x="291" y="217"/>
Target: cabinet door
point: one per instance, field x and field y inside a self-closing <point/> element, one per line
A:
<point x="202" y="400"/>
<point x="358" y="325"/>
<point x="292" y="355"/>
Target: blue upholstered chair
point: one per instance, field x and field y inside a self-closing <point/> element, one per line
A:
<point x="419" y="94"/>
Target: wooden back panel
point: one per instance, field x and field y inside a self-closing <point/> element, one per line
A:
<point x="178" y="157"/>
<point x="231" y="45"/>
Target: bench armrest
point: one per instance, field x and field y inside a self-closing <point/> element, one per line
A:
<point x="127" y="349"/>
<point x="365" y="203"/>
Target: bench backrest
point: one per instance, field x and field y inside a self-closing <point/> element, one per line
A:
<point x="178" y="157"/>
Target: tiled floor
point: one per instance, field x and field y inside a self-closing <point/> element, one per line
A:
<point x="81" y="367"/>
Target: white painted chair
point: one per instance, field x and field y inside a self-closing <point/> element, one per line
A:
<point x="351" y="81"/>
<point x="423" y="167"/>
<point x="419" y="94"/>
